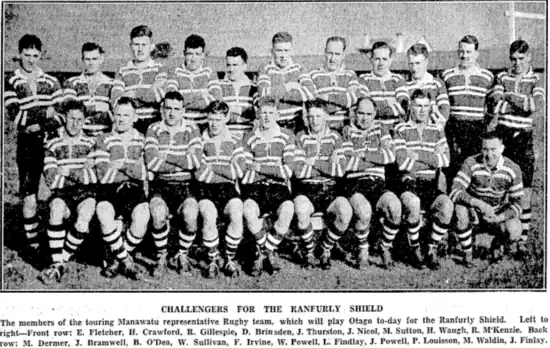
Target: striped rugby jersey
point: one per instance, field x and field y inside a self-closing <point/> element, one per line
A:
<point x="28" y="106"/>
<point x="241" y="99"/>
<point x="276" y="156"/>
<point x="340" y="88"/>
<point x="367" y="151"/>
<point x="71" y="153"/>
<point x="407" y="137"/>
<point x="516" y="99"/>
<point x="173" y="155"/>
<point x="193" y="85"/>
<point x="437" y="93"/>
<point x="390" y="94"/>
<point x="111" y="147"/>
<point x="222" y="159"/>
<point x="95" y="97"/>
<point x="468" y="92"/>
<point x="273" y="78"/>
<point x="321" y="148"/>
<point x="500" y="187"/>
<point x="142" y="81"/>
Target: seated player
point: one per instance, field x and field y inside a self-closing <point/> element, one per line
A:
<point x="368" y="148"/>
<point x="69" y="173"/>
<point x="237" y="91"/>
<point x="93" y="88"/>
<point x="320" y="161"/>
<point x="422" y="151"/>
<point x="487" y="191"/>
<point x="269" y="151"/>
<point x="122" y="199"/>
<point x="172" y="152"/>
<point x="222" y="164"/>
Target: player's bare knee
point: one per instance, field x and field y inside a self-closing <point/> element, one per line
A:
<point x="251" y="210"/>
<point x="234" y="209"/>
<point x="303" y="208"/>
<point x="411" y="207"/>
<point x="343" y="212"/>
<point x="190" y="212"/>
<point x="141" y="214"/>
<point x="442" y="209"/>
<point x="462" y="217"/>
<point x="86" y="211"/>
<point x="361" y="208"/>
<point x="57" y="211"/>
<point x="208" y="212"/>
<point x="29" y="205"/>
<point x="390" y="207"/>
<point x="159" y="212"/>
<point x="513" y="229"/>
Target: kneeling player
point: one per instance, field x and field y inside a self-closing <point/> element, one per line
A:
<point x="368" y="148"/>
<point x="69" y="174"/>
<point x="421" y="151"/>
<point x="488" y="190"/>
<point x="269" y="151"/>
<point x="222" y="164"/>
<point x="121" y="171"/>
<point x="320" y="161"/>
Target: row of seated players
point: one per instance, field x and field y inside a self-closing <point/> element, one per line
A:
<point x="176" y="177"/>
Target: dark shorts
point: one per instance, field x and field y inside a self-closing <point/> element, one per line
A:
<point x="371" y="187"/>
<point x="464" y="139"/>
<point x="74" y="195"/>
<point x="172" y="192"/>
<point x="123" y="196"/>
<point x="30" y="162"/>
<point x="219" y="194"/>
<point x="518" y="146"/>
<point x="320" y="194"/>
<point x="268" y="196"/>
<point x="426" y="190"/>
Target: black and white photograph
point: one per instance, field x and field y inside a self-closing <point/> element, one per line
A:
<point x="277" y="146"/>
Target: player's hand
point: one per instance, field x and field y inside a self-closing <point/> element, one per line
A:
<point x="33" y="128"/>
<point x="412" y="154"/>
<point x="360" y="153"/>
<point x="289" y="86"/>
<point x="206" y="96"/>
<point x="440" y="150"/>
<point x="88" y="164"/>
<point x="324" y="97"/>
<point x="130" y="94"/>
<point x="495" y="219"/>
<point x="310" y="161"/>
<point x="353" y="89"/>
<point x="235" y="113"/>
<point x="50" y="112"/>
<point x="257" y="166"/>
<point x="63" y="171"/>
<point x="334" y="158"/>
<point x="492" y="125"/>
<point x="117" y="164"/>
<point x="386" y="144"/>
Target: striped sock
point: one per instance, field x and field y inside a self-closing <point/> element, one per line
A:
<point x="413" y="234"/>
<point x="212" y="248"/>
<point x="525" y="219"/>
<point x="330" y="237"/>
<point x="306" y="236"/>
<point x="362" y="236"/>
<point x="261" y="238"/>
<point x="439" y="231"/>
<point x="114" y="240"/>
<point x="231" y="245"/>
<point x="131" y="241"/>
<point x="465" y="238"/>
<point x="56" y="237"/>
<point x="186" y="238"/>
<point x="30" y="225"/>
<point x="72" y="242"/>
<point x="389" y="231"/>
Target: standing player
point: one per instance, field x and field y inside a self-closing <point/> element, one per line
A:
<point x="368" y="148"/>
<point x="269" y="151"/>
<point x="222" y="164"/>
<point x="237" y="91"/>
<point x="69" y="173"/>
<point x="519" y="98"/>
<point x="122" y="200"/>
<point x="488" y="190"/>
<point x="434" y="88"/>
<point x="422" y="150"/>
<point x="336" y="84"/>
<point x="320" y="162"/>
<point x="31" y="97"/>
<point x="141" y="79"/>
<point x="191" y="80"/>
<point x="172" y="152"/>
<point x="387" y="89"/>
<point x="287" y="81"/>
<point x="93" y="88"/>
<point x="468" y="86"/>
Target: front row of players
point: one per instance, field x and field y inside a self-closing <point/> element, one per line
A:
<point x="272" y="182"/>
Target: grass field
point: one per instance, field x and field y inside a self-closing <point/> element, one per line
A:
<point x="528" y="273"/>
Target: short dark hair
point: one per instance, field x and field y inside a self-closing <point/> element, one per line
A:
<point x="73" y="104"/>
<point x="91" y="46"/>
<point x="418" y="49"/>
<point x="362" y="99"/>
<point x="471" y="40"/>
<point x="194" y="41"/>
<point x="267" y="100"/>
<point x="281" y="36"/>
<point x="381" y="44"/>
<point x="520" y="46"/>
<point x="29" y="41"/>
<point x="317" y="103"/>
<point x="217" y="107"/>
<point x="127" y="101"/>
<point x="495" y="134"/>
<point x="336" y="39"/>
<point x="419" y="94"/>
<point x="141" y="30"/>
<point x="237" y="52"/>
<point x="172" y="95"/>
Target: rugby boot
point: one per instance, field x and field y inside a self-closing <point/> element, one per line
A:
<point x="258" y="264"/>
<point x="432" y="260"/>
<point x="182" y="263"/>
<point x="340" y="253"/>
<point x="324" y="260"/>
<point x="54" y="273"/>
<point x="468" y="258"/>
<point x="213" y="269"/>
<point x="416" y="257"/>
<point x="308" y="260"/>
<point x="271" y="263"/>
<point x="129" y="269"/>
<point x="385" y="255"/>
<point x="230" y="269"/>
<point x="363" y="257"/>
<point x="497" y="250"/>
<point x="110" y="269"/>
<point x="161" y="267"/>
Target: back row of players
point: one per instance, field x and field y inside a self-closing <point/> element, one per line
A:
<point x="256" y="146"/>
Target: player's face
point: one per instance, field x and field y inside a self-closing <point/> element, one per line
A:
<point x="216" y="123"/>
<point x="75" y="122"/>
<point x="172" y="112"/>
<point x="268" y="116"/>
<point x="381" y="61"/>
<point x="235" y="68"/>
<point x="29" y="59"/>
<point x="521" y="62"/>
<point x="420" y="109"/>
<point x="194" y="58"/>
<point x="92" y="61"/>
<point x="492" y="151"/>
<point x="418" y="65"/>
<point x="124" y="117"/>
<point x="467" y="54"/>
<point x="364" y="115"/>
<point x="142" y="47"/>
<point x="334" y="55"/>
<point x="317" y="119"/>
<point x="282" y="54"/>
